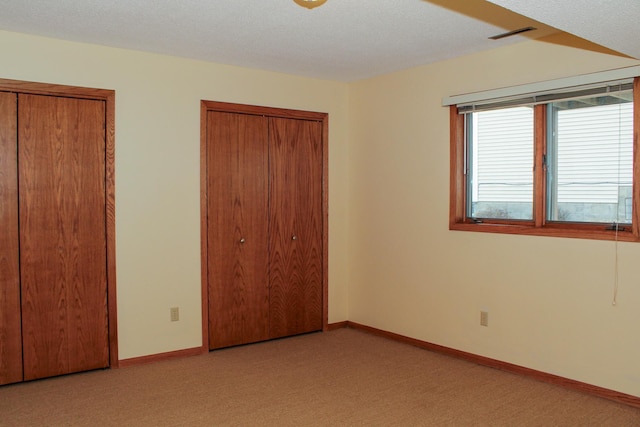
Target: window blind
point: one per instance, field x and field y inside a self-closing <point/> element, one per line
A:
<point x="596" y="84"/>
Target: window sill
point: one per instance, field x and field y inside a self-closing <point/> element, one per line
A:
<point x="574" y="231"/>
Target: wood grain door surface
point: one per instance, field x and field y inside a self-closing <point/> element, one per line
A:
<point x="10" y="323"/>
<point x="61" y="158"/>
<point x="295" y="226"/>
<point x="237" y="206"/>
<point x="264" y="222"/>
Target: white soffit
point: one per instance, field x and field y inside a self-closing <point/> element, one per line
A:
<point x="614" y="24"/>
<point x="343" y="40"/>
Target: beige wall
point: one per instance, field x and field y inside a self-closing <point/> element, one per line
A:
<point x="393" y="263"/>
<point x="549" y="299"/>
<point x="158" y="171"/>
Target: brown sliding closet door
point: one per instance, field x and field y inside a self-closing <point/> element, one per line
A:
<point x="10" y="332"/>
<point x="295" y="239"/>
<point x="61" y="158"/>
<point x="237" y="228"/>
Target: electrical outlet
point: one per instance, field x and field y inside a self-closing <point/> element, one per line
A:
<point x="175" y="314"/>
<point x="484" y="318"/>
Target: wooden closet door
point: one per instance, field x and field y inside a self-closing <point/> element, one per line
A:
<point x="10" y="323"/>
<point x="61" y="158"/>
<point x="237" y="206"/>
<point x="295" y="232"/>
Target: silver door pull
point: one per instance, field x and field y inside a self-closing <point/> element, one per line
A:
<point x="242" y="240"/>
<point x="294" y="238"/>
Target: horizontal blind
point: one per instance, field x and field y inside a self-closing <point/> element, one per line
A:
<point x="503" y="148"/>
<point x="609" y="81"/>
<point x="595" y="153"/>
<point x="609" y="88"/>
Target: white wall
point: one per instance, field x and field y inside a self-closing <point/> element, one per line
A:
<point x="158" y="171"/>
<point x="549" y="299"/>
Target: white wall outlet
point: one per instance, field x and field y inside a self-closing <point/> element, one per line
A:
<point x="175" y="314"/>
<point x="484" y="318"/>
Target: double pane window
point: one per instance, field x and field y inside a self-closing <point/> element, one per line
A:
<point x="557" y="166"/>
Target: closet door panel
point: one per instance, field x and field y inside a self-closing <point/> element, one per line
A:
<point x="61" y="154"/>
<point x="237" y="206"/>
<point x="10" y="323"/>
<point x="295" y="240"/>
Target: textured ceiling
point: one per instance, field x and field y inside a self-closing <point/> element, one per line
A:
<point x="343" y="40"/>
<point x="611" y="23"/>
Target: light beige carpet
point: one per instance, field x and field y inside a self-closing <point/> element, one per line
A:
<point x="340" y="378"/>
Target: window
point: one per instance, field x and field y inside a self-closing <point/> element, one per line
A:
<point x="558" y="163"/>
<point x="500" y="148"/>
<point x="589" y="168"/>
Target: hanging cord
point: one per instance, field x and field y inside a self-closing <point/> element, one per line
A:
<point x="615" y="270"/>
